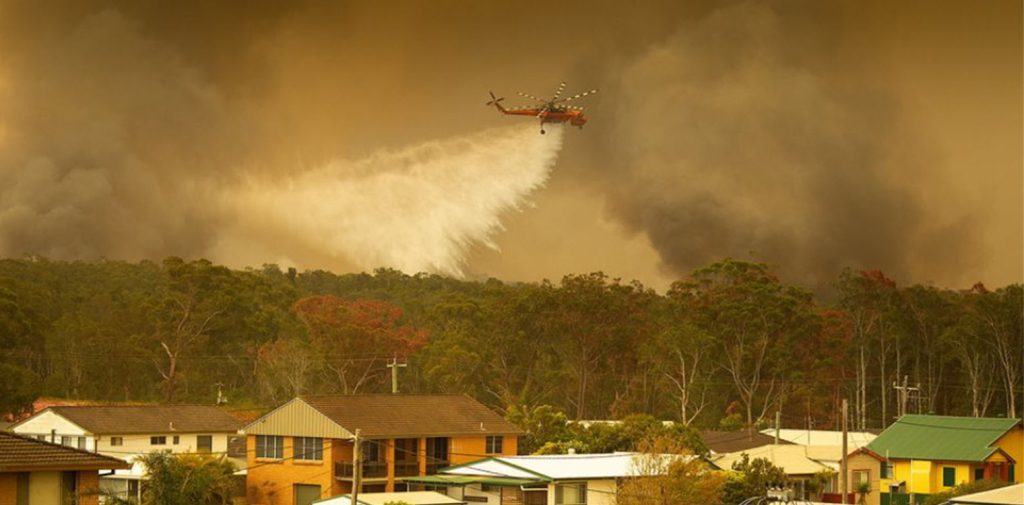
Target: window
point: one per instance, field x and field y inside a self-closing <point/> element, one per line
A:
<point x="1009" y="475"/>
<point x="861" y="477"/>
<point x="161" y="440"/>
<point x="309" y="448"/>
<point x="68" y="440"/>
<point x="81" y="442"/>
<point x="204" y="443"/>
<point x="269" y="446"/>
<point x="573" y="493"/>
<point x="372" y="452"/>
<point x="948" y="476"/>
<point x="886" y="470"/>
<point x="494" y="445"/>
<point x="176" y="439"/>
<point x="490" y="488"/>
<point x="116" y="441"/>
<point x="979" y="473"/>
<point x="42" y="437"/>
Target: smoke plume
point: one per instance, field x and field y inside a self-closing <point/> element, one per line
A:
<point x="417" y="209"/>
<point x="748" y="151"/>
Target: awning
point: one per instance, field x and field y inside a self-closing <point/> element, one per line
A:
<point x="463" y="480"/>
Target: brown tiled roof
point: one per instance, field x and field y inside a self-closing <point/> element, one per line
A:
<point x="23" y="454"/>
<point x="129" y="419"/>
<point x="385" y="416"/>
<point x="723" y="442"/>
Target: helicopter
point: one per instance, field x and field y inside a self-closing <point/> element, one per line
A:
<point x="554" y="110"/>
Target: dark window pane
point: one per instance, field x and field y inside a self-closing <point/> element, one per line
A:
<point x="204" y="443"/>
<point x="948" y="476"/>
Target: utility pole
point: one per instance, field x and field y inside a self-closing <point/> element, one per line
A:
<point x="394" y="366"/>
<point x="843" y="471"/>
<point x="357" y="467"/>
<point x="778" y="425"/>
<point x="904" y="393"/>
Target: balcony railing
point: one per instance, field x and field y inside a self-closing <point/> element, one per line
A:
<point x="406" y="468"/>
<point x="371" y="470"/>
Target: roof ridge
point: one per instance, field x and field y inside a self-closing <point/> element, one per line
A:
<point x="966" y="418"/>
<point x="133" y="405"/>
<point x="388" y="395"/>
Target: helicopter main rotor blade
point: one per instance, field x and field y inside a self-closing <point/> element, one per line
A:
<point x="531" y="97"/>
<point x="581" y="95"/>
<point x="558" y="93"/>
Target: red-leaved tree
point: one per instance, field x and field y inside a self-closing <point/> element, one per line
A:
<point x="356" y="338"/>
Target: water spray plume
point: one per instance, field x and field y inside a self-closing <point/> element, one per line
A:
<point x="417" y="209"/>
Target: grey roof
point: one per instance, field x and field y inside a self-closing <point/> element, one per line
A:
<point x="722" y="442"/>
<point x="141" y="419"/>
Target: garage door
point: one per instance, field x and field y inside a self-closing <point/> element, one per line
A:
<point x="306" y="494"/>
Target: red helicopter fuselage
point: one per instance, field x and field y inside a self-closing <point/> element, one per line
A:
<point x="573" y="117"/>
<point x="549" y="111"/>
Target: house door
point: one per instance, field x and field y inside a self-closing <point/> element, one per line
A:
<point x="305" y="494"/>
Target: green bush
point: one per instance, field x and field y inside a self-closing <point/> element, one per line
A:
<point x="962" y="489"/>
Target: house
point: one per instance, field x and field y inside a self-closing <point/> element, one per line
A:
<point x="924" y="454"/>
<point x="824" y="447"/>
<point x="410" y="497"/>
<point x="303" y="450"/>
<point x="865" y="470"/>
<point x="568" y="479"/>
<point x="37" y="472"/>
<point x="1009" y="495"/>
<point x="804" y="465"/>
<point x="127" y="431"/>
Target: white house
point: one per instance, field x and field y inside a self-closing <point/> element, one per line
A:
<point x="569" y="479"/>
<point x="127" y="431"/>
<point x="410" y="497"/>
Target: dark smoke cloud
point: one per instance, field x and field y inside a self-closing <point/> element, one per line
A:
<point x="731" y="141"/>
<point x="749" y="129"/>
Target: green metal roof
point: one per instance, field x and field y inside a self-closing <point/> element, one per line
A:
<point x="462" y="480"/>
<point x="941" y="438"/>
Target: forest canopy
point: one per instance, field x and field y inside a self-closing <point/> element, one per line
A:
<point x="726" y="346"/>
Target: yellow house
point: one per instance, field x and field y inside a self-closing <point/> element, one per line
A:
<point x="302" y="451"/>
<point x="923" y="454"/>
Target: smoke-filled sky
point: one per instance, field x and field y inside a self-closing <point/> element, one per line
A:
<point x="349" y="135"/>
